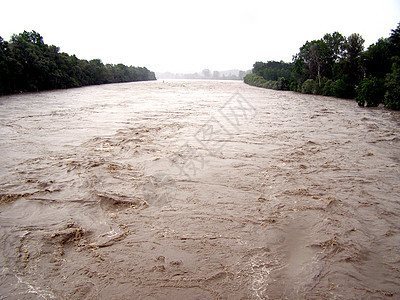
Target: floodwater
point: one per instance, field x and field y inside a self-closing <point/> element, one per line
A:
<point x="197" y="190"/>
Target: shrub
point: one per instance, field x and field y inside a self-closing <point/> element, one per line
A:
<point x="293" y="86"/>
<point x="327" y="88"/>
<point x="281" y="84"/>
<point x="254" y="79"/>
<point x="270" y="84"/>
<point x="309" y="87"/>
<point x="342" y="88"/>
<point x="392" y="85"/>
<point x="370" y="92"/>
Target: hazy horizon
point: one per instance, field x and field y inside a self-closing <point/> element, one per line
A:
<point x="181" y="37"/>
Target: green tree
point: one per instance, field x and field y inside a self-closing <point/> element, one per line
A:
<point x="335" y="50"/>
<point x="318" y="58"/>
<point x="255" y="79"/>
<point x="258" y="68"/>
<point x="29" y="68"/>
<point x="282" y="84"/>
<point x="4" y="67"/>
<point x="276" y="74"/>
<point x="309" y="87"/>
<point x="339" y="66"/>
<point x="327" y="87"/>
<point x="394" y="42"/>
<point x="376" y="61"/>
<point x="28" y="64"/>
<point x="342" y="88"/>
<point x="354" y="46"/>
<point x="314" y="54"/>
<point x="370" y="92"/>
<point x="392" y="85"/>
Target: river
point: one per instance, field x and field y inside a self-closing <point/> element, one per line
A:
<point x="197" y="190"/>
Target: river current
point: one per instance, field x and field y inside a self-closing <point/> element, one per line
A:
<point x="197" y="190"/>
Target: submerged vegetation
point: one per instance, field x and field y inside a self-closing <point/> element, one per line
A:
<point x="27" y="64"/>
<point x="339" y="66"/>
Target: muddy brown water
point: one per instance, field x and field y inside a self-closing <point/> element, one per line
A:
<point x="197" y="190"/>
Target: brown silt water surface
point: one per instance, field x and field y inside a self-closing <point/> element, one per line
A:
<point x="197" y="190"/>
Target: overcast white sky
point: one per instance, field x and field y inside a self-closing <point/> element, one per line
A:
<point x="188" y="36"/>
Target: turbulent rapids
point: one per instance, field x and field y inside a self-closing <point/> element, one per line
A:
<point x="197" y="190"/>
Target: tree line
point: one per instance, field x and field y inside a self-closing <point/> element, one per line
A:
<point x="27" y="64"/>
<point x="339" y="66"/>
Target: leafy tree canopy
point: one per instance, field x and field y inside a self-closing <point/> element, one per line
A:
<point x="339" y="66"/>
<point x="28" y="64"/>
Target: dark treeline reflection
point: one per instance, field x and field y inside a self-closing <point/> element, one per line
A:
<point x="338" y="66"/>
<point x="27" y="64"/>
